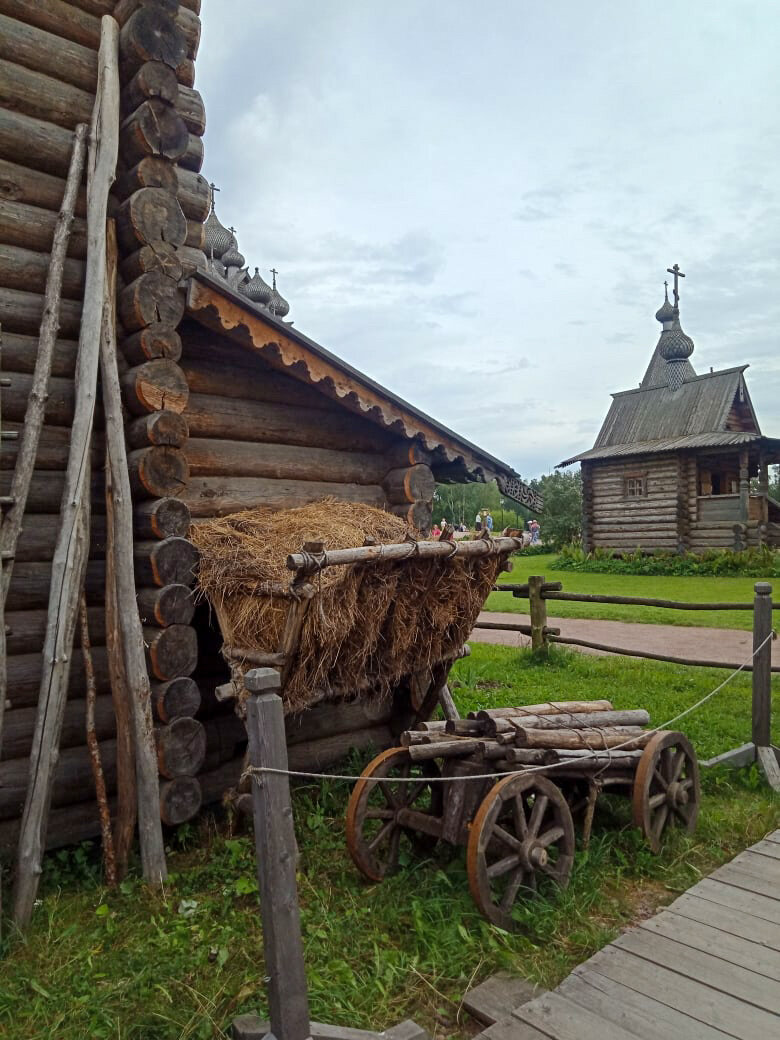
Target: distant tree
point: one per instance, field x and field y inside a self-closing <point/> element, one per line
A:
<point x="561" y="519"/>
<point x="459" y="503"/>
<point x="774" y="482"/>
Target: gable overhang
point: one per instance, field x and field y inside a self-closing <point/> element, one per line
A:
<point x="453" y="458"/>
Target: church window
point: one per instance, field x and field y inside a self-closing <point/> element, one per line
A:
<point x="635" y="487"/>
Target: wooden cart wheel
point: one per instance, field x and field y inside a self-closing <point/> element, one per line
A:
<point x="666" y="786"/>
<point x="521" y="839"/>
<point x="374" y="835"/>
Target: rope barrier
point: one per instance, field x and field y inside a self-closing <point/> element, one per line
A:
<point x="256" y="771"/>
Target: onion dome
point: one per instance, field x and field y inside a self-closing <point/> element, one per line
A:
<point x="666" y="311"/>
<point x="674" y="344"/>
<point x="218" y="238"/>
<point x="257" y="290"/>
<point x="277" y="305"/>
<point x="231" y="256"/>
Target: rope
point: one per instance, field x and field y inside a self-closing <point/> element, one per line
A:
<point x="255" y="771"/>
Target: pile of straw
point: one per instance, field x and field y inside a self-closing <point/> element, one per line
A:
<point x="368" y="627"/>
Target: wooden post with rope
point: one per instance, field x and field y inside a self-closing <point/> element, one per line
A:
<point x="538" y="611"/>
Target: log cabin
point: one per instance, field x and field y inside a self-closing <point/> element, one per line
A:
<point x="227" y="406"/>
<point x="680" y="463"/>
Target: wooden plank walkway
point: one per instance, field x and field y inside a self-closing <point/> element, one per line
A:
<point x="706" y="967"/>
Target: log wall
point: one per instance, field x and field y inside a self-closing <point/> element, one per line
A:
<point x="623" y="523"/>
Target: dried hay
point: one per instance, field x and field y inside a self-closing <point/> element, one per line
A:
<point x="368" y="626"/>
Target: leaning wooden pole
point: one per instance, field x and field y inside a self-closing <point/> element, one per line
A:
<point x="127" y="617"/>
<point x="72" y="548"/>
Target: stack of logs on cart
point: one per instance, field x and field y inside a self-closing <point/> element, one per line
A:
<point x="508" y="784"/>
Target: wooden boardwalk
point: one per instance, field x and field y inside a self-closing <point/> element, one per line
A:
<point x="706" y="967"/>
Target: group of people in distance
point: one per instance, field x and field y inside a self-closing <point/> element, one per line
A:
<point x="484" y="520"/>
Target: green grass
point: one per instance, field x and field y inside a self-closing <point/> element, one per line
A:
<point x="135" y="965"/>
<point x="692" y="589"/>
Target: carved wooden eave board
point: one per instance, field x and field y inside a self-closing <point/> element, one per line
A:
<point x="280" y="346"/>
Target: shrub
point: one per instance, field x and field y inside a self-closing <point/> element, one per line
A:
<point x="723" y="563"/>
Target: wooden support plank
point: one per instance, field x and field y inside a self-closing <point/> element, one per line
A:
<point x="496" y="998"/>
<point x="767" y="847"/>
<point x="559" y="1018"/>
<point x="726" y="919"/>
<point x="736" y="898"/>
<point x="764" y="867"/>
<point x="731" y="874"/>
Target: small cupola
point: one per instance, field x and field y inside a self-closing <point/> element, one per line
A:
<point x="674" y="346"/>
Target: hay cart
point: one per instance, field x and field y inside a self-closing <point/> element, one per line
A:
<point x="552" y="762"/>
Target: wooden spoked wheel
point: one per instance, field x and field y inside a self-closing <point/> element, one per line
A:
<point x="666" y="787"/>
<point x="521" y="841"/>
<point x="375" y="835"/>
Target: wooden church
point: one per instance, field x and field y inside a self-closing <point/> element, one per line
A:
<point x="225" y="406"/>
<point x="680" y="463"/>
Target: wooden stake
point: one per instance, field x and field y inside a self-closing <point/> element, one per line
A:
<point x="94" y="748"/>
<point x="128" y="619"/>
<point x="73" y="541"/>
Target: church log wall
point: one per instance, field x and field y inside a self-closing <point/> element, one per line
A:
<point x="648" y="521"/>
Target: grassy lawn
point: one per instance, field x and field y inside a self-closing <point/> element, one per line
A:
<point x="133" y="965"/>
<point x="692" y="589"/>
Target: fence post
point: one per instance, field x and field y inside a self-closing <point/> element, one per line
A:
<point x="762" y="664"/>
<point x="538" y="611"/>
<point x="275" y="847"/>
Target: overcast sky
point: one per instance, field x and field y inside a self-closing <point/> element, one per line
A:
<point x="476" y="203"/>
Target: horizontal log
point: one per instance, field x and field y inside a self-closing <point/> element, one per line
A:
<point x="45" y="52"/>
<point x="73" y="780"/>
<point x="39" y="538"/>
<point x="25" y="629"/>
<point x="412" y="484"/>
<point x="189" y="105"/>
<point x="673" y="604"/>
<point x="628" y="737"/>
<point x="404" y="453"/>
<point x="59" y="402"/>
<point x="216" y="367"/>
<point x="35" y="142"/>
<point x="260" y="421"/>
<point x="31" y="200"/>
<point x="22" y="311"/>
<point x="169" y="605"/>
<point x="150" y="34"/>
<point x="220" y="496"/>
<point x="154" y="129"/>
<point x="124" y="9"/>
<point x="329" y="719"/>
<point x="405" y="550"/>
<point x="20" y="353"/>
<point x="148" y="216"/>
<point x="64" y="826"/>
<point x="151" y="172"/>
<point x="194" y="194"/>
<point x="185" y="72"/>
<point x="179" y="697"/>
<point x="154" y="341"/>
<point x="531" y="756"/>
<point x="27" y="269"/>
<point x="158" y="472"/>
<point x="624" y="652"/>
<point x="193" y="155"/>
<point x="19" y="726"/>
<point x="417" y="515"/>
<point x="53" y="446"/>
<point x="62" y="19"/>
<point x="43" y="97"/>
<point x="159" y="257"/>
<point x="189" y="24"/>
<point x="581" y="719"/>
<point x="456" y="748"/>
<point x="171" y="651"/>
<point x="196" y="235"/>
<point x="180" y="800"/>
<point x="213" y="457"/>
<point x="160" y="429"/>
<point x="152" y="80"/>
<point x="171" y="561"/>
<point x="192" y="260"/>
<point x="545" y="708"/>
<point x="24" y="676"/>
<point x="181" y="747"/>
<point x="151" y="298"/>
<point x="161" y="518"/>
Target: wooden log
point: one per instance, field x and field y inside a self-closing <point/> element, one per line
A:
<point x="159" y="257"/>
<point x="531" y="756"/>
<point x="25" y="629"/>
<point x="444" y="749"/>
<point x="23" y="311"/>
<point x="181" y="747"/>
<point x="193" y="155"/>
<point x="52" y="448"/>
<point x="20" y="724"/>
<point x="154" y="341"/>
<point x="169" y="605"/>
<point x="124" y="9"/>
<point x="58" y="405"/>
<point x="196" y="236"/>
<point x="413" y="484"/>
<point x="162" y="518"/>
<point x="194" y="194"/>
<point x="576" y="738"/>
<point x="158" y="472"/>
<point x="762" y="666"/>
<point x="62" y="19"/>
<point x="188" y="23"/>
<point x="159" y="429"/>
<point x="171" y="561"/>
<point x="67" y="826"/>
<point x="152" y="298"/>
<point x="27" y="270"/>
<point x="151" y="172"/>
<point x="148" y="216"/>
<point x="418" y="515"/>
<point x="538" y="611"/>
<point x="213" y="457"/>
<point x="404" y="453"/>
<point x="545" y="708"/>
<point x="72" y="779"/>
<point x="154" y="129"/>
<point x="214" y="496"/>
<point x="35" y="143"/>
<point x="153" y="79"/>
<point x="71" y="552"/>
<point x="45" y="52"/>
<point x="584" y="720"/>
<point x="175" y="698"/>
<point x="463" y="727"/>
<point x="20" y="354"/>
<point x="405" y="550"/>
<point x="39" y="538"/>
<point x="189" y="105"/>
<point x="32" y="226"/>
<point x="31" y="582"/>
<point x="24" y="677"/>
<point x="150" y="34"/>
<point x="43" y="97"/>
<point x="180" y="800"/>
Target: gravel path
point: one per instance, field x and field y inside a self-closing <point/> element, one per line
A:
<point x="705" y="644"/>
